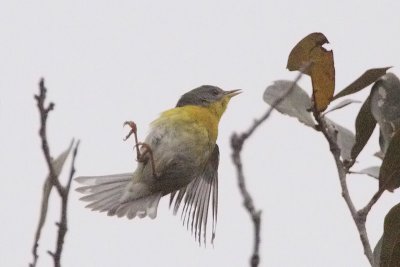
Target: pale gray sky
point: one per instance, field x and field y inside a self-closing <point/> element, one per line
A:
<point x="106" y="62"/>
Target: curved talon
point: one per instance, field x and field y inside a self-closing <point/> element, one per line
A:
<point x="131" y="124"/>
<point x="141" y="158"/>
<point x="132" y="131"/>
<point x="147" y="149"/>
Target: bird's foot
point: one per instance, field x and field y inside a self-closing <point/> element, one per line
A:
<point x="145" y="154"/>
<point x="133" y="131"/>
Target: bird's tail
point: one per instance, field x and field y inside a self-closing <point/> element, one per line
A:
<point x="118" y="195"/>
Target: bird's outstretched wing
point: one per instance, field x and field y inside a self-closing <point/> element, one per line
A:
<point x="196" y="198"/>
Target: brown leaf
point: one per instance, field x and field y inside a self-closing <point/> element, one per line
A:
<point x="389" y="175"/>
<point x="365" y="125"/>
<point x="300" y="54"/>
<point x="363" y="81"/>
<point x="322" y="70"/>
<point x="322" y="77"/>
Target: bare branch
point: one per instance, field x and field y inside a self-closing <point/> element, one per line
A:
<point x="63" y="224"/>
<point x="237" y="142"/>
<point x="52" y="181"/>
<point x="259" y="121"/>
<point x="358" y="217"/>
<point x="364" y="211"/>
<point x="44" y="112"/>
<point x="47" y="187"/>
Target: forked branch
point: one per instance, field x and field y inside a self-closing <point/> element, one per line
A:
<point x="237" y="142"/>
<point x="359" y="216"/>
<point x="52" y="180"/>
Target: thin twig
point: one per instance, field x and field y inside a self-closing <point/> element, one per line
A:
<point x="63" y="224"/>
<point x="237" y="142"/>
<point x="47" y="187"/>
<point x="258" y="122"/>
<point x="52" y="181"/>
<point x="44" y="112"/>
<point x="358" y="217"/>
<point x="364" y="211"/>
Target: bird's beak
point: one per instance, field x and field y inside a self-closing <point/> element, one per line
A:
<point x="232" y="93"/>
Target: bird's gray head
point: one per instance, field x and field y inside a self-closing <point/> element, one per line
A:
<point x="205" y="95"/>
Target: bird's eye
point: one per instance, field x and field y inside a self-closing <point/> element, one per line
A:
<point x="215" y="92"/>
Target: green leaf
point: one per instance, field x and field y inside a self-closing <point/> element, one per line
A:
<point x="296" y="104"/>
<point x="390" y="250"/>
<point x="341" y="105"/>
<point x="385" y="107"/>
<point x="58" y="163"/>
<point x="389" y="176"/>
<point x="363" y="81"/>
<point x="365" y="125"/>
<point x="395" y="260"/>
<point x="370" y="171"/>
<point x="379" y="155"/>
<point x="377" y="254"/>
<point x="345" y="138"/>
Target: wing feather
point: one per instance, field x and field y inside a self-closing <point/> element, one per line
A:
<point x="196" y="198"/>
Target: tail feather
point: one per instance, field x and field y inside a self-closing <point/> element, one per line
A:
<point x="142" y="207"/>
<point x="121" y="210"/>
<point x="118" y="196"/>
<point x="103" y="204"/>
<point x="104" y="179"/>
<point x="98" y="188"/>
<point x="103" y="194"/>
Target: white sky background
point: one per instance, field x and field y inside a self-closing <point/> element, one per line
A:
<point x="107" y="62"/>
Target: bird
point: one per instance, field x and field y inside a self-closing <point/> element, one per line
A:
<point x="179" y="157"/>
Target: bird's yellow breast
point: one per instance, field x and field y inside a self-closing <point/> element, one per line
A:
<point x="201" y="119"/>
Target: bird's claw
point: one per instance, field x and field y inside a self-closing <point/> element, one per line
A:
<point x="142" y="156"/>
<point x="133" y="129"/>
